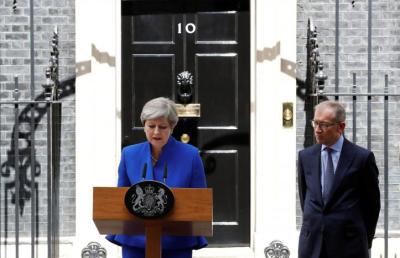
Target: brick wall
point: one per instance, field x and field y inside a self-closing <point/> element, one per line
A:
<point x="15" y="60"/>
<point x="353" y="58"/>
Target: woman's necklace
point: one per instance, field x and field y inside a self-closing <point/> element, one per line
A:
<point x="155" y="155"/>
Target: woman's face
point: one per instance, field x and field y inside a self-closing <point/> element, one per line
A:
<point x="157" y="132"/>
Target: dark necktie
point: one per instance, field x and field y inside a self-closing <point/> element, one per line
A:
<point x="328" y="176"/>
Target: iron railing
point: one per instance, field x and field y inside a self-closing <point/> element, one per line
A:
<point x="315" y="93"/>
<point x="21" y="156"/>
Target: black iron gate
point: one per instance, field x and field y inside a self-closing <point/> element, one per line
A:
<point x="22" y="195"/>
<point x="19" y="172"/>
<point x="360" y="104"/>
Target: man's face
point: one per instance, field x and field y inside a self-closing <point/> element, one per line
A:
<point x="326" y="130"/>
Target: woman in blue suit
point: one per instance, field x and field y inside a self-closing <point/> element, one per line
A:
<point x="159" y="117"/>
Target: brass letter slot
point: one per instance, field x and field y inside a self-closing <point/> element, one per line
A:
<point x="188" y="110"/>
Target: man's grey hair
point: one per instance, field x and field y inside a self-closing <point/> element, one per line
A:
<point x="337" y="108"/>
<point x="158" y="108"/>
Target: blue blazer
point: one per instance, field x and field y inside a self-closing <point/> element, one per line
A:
<point x="346" y="223"/>
<point x="185" y="170"/>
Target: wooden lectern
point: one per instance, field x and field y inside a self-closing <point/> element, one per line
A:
<point x="192" y="215"/>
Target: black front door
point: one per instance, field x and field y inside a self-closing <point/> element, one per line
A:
<point x="211" y="44"/>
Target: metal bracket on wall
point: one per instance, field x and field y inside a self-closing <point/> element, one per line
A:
<point x="276" y="249"/>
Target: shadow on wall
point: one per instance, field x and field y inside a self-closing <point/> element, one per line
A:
<point x="25" y="135"/>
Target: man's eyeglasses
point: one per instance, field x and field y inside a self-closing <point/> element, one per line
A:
<point x="321" y="125"/>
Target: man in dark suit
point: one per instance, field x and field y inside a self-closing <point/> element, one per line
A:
<point x="338" y="190"/>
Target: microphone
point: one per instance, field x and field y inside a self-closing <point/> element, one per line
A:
<point x="165" y="172"/>
<point x="144" y="171"/>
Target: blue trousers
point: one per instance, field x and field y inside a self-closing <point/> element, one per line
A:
<point x="134" y="252"/>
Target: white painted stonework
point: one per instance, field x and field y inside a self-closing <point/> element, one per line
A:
<point x="273" y="154"/>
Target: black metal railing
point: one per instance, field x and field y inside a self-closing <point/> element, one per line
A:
<point x="21" y="182"/>
<point x="315" y="92"/>
<point x="315" y="80"/>
<point x="18" y="188"/>
<point x="366" y="99"/>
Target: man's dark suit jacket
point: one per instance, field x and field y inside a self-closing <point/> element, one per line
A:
<point x="346" y="224"/>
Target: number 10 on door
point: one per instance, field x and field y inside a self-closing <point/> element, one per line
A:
<point x="189" y="28"/>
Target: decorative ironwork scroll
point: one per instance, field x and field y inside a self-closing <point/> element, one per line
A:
<point x="94" y="250"/>
<point x="276" y="249"/>
<point x="52" y="84"/>
<point x="14" y="6"/>
<point x="315" y="81"/>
